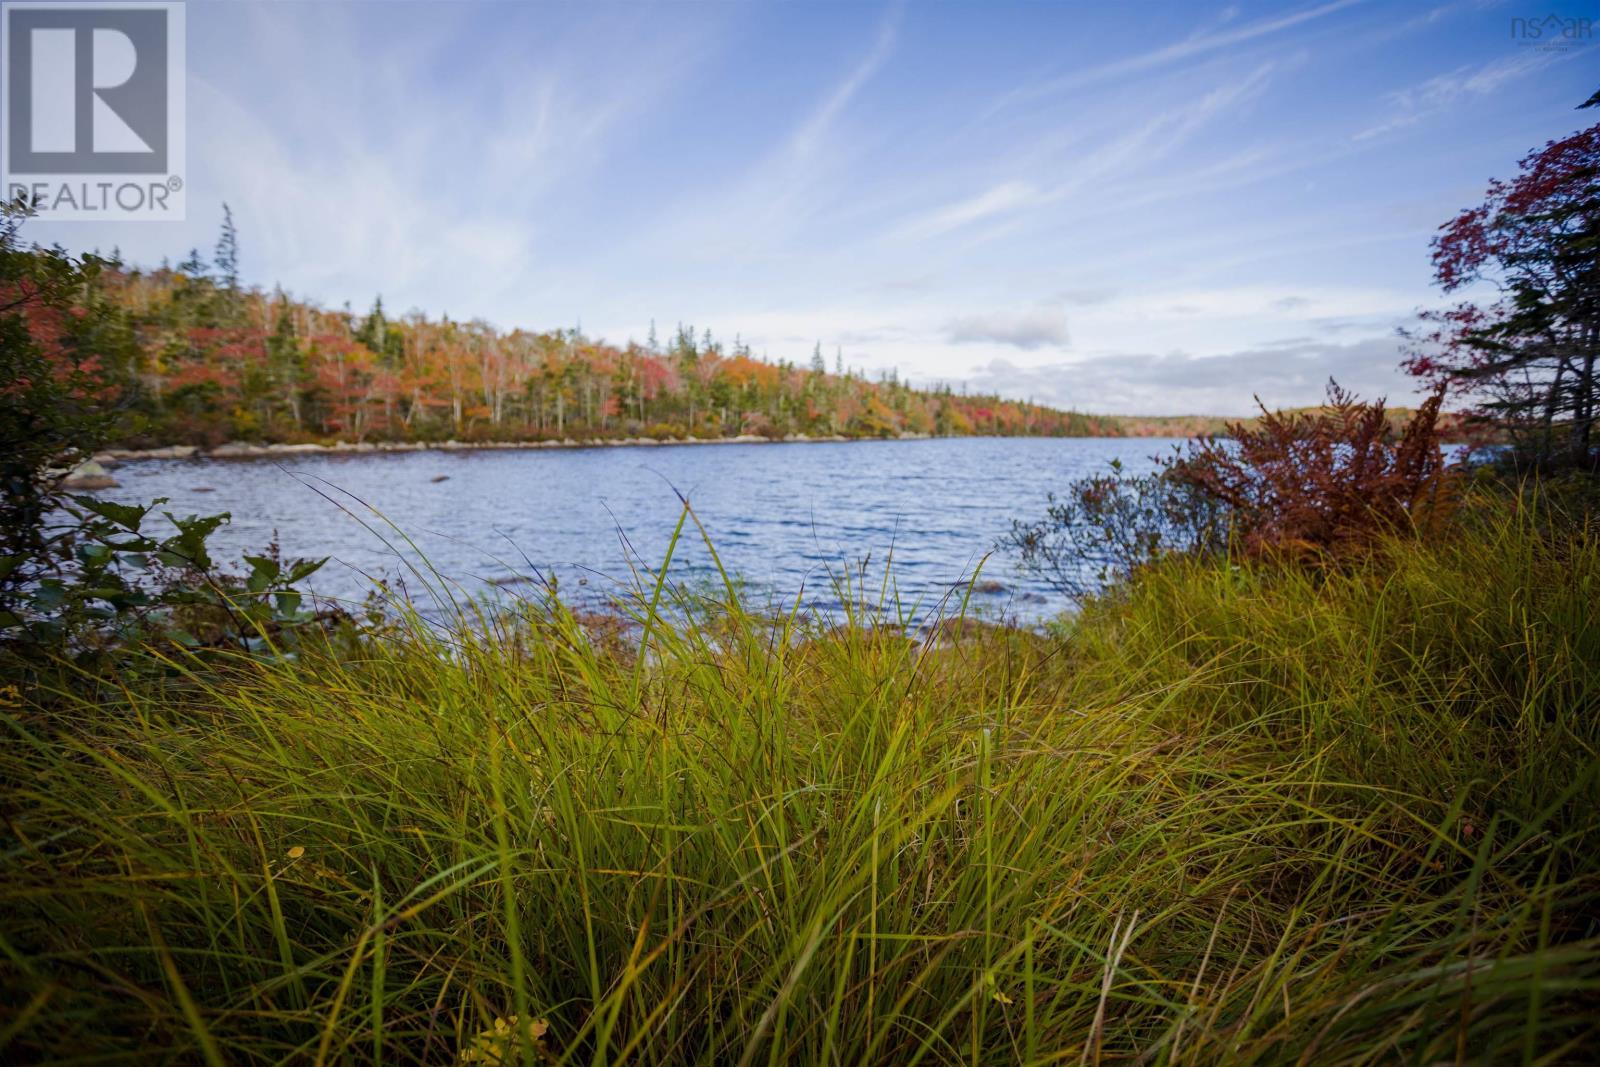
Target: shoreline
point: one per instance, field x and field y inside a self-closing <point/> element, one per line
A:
<point x="241" y="450"/>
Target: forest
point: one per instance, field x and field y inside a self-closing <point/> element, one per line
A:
<point x="204" y="359"/>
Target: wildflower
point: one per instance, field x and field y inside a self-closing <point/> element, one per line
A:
<point x="497" y="1044"/>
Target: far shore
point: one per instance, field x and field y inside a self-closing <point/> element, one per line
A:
<point x="241" y="450"/>
<point x="244" y="450"/>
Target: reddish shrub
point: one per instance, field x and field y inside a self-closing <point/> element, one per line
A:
<point x="1313" y="484"/>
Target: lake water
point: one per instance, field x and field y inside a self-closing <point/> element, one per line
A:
<point x="783" y="516"/>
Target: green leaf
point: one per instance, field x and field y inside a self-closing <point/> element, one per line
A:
<point x="262" y="572"/>
<point x="304" y="568"/>
<point x="263" y="564"/>
<point x="128" y="516"/>
<point x="190" y="542"/>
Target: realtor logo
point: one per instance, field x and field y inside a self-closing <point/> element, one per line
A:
<point x="92" y="126"/>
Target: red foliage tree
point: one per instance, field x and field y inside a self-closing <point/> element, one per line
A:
<point x="1528" y="358"/>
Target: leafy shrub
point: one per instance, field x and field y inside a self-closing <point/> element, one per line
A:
<point x="107" y="581"/>
<point x="80" y="575"/>
<point x="1107" y="526"/>
<point x="1327" y="481"/>
<point x="1312" y="485"/>
<point x="64" y="368"/>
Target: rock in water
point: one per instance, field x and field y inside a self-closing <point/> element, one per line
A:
<point x="89" y="475"/>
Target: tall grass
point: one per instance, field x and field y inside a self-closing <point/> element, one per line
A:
<point x="1234" y="816"/>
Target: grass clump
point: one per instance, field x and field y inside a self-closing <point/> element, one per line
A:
<point x="1237" y="814"/>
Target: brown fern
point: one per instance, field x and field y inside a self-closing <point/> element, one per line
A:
<point x="1324" y="483"/>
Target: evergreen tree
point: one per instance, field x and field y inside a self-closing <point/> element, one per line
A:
<point x="194" y="266"/>
<point x="226" y="258"/>
<point x="373" y="327"/>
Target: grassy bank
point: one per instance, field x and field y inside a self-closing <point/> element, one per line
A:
<point x="1235" y="816"/>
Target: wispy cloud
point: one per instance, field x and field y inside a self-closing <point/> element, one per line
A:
<point x="755" y="209"/>
<point x="1156" y="137"/>
<point x="382" y="147"/>
<point x="810" y="134"/>
<point x="1188" y="198"/>
<point x="998" y="200"/>
<point x="1177" y="52"/>
<point x="1414" y="104"/>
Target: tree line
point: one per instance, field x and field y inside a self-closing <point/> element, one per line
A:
<point x="211" y="360"/>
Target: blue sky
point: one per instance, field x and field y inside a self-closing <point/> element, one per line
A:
<point x="1133" y="208"/>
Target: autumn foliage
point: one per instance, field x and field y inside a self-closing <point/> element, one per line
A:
<point x="1317" y="486"/>
<point x="219" y="361"/>
<point x="1321" y="483"/>
<point x="1526" y="360"/>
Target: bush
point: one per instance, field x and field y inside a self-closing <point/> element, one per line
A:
<point x="1315" y="486"/>
<point x="1106" y="527"/>
<point x="64" y="365"/>
<point x="665" y="431"/>
<point x="115" y="584"/>
<point x="1324" y="483"/>
<point x="78" y="575"/>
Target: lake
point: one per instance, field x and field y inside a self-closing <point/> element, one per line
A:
<point x="783" y="516"/>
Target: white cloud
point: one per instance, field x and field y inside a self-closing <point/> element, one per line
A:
<point x="791" y="177"/>
<point x="753" y="212"/>
<point x="1036" y="328"/>
<point x="1292" y="374"/>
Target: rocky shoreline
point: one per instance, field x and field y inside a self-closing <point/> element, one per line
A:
<point x="241" y="450"/>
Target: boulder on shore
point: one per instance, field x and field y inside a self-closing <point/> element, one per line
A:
<point x="234" y="449"/>
<point x="89" y="475"/>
